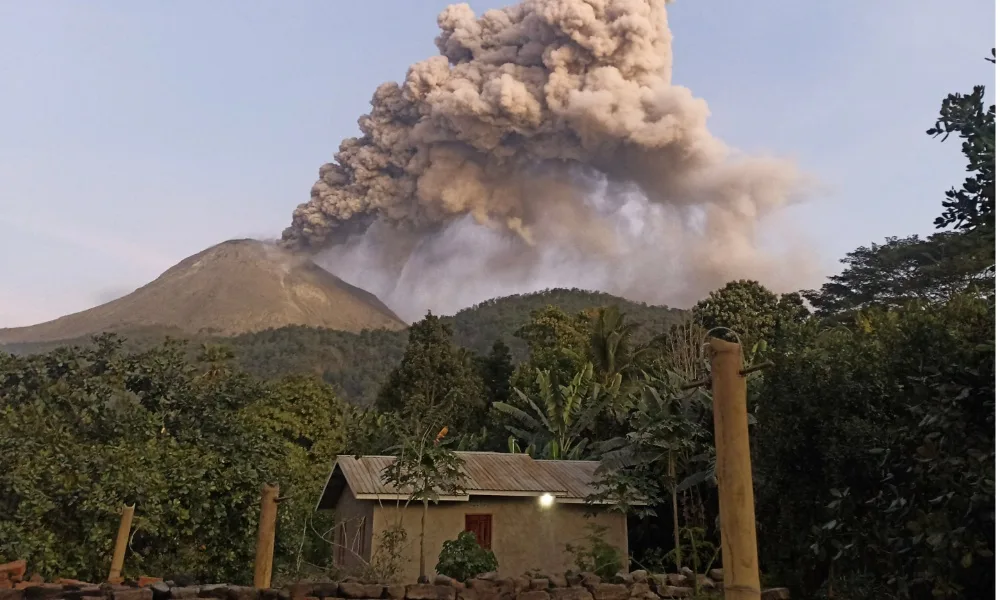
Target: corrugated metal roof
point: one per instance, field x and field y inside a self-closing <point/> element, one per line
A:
<point x="486" y="474"/>
<point x="576" y="476"/>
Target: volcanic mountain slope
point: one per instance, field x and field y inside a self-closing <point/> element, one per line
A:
<point x="234" y="287"/>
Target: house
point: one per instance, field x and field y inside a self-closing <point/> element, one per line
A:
<point x="524" y="510"/>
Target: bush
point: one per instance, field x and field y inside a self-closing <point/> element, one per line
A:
<point x="464" y="558"/>
<point x="597" y="555"/>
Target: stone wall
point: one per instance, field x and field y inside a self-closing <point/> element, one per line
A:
<point x="637" y="585"/>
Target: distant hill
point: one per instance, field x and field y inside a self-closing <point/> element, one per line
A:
<point x="479" y="326"/>
<point x="234" y="287"/>
<point x="357" y="363"/>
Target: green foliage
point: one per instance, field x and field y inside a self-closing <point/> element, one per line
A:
<point x="595" y="555"/>
<point x="357" y="365"/>
<point x="906" y="269"/>
<point x="304" y="416"/>
<point x="496" y="369"/>
<point x="557" y="343"/>
<point x="613" y="348"/>
<point x="699" y="553"/>
<point x="478" y="327"/>
<point x="435" y="377"/>
<point x="895" y="415"/>
<point x="748" y="309"/>
<point x="556" y="424"/>
<point x="388" y="557"/>
<point x="86" y="430"/>
<point x="657" y="455"/>
<point x="464" y="558"/>
<point x="661" y="456"/>
<point x="425" y="469"/>
<point x="973" y="206"/>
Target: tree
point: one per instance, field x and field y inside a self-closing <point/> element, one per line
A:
<point x="310" y="423"/>
<point x="937" y="511"/>
<point x="665" y="434"/>
<point x="972" y="207"/>
<point x="903" y="270"/>
<point x="88" y="429"/>
<point x="434" y="377"/>
<point x="612" y="347"/>
<point x="749" y="309"/>
<point x="557" y="343"/>
<point x="556" y="425"/>
<point x="428" y="469"/>
<point x="890" y="420"/>
<point x="496" y="369"/>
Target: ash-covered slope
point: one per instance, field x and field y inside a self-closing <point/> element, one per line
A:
<point x="234" y="287"/>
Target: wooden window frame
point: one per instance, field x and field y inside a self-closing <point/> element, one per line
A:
<point x="481" y="525"/>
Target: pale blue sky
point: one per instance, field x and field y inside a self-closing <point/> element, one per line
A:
<point x="133" y="134"/>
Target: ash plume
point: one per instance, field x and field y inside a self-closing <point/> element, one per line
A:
<point x="545" y="146"/>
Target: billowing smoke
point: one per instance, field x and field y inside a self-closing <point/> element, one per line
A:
<point x="545" y="147"/>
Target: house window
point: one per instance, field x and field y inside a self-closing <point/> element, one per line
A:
<point x="482" y="527"/>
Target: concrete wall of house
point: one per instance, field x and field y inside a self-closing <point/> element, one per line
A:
<point x="525" y="535"/>
<point x="352" y="537"/>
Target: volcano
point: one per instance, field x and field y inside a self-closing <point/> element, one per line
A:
<point x="238" y="286"/>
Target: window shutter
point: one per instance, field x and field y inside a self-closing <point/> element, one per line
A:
<point x="482" y="527"/>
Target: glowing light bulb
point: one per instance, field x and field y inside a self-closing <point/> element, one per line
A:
<point x="546" y="500"/>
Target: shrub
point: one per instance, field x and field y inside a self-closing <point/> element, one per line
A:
<point x="464" y="558"/>
<point x="596" y="555"/>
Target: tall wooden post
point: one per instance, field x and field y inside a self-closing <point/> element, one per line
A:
<point x="121" y="542"/>
<point x="265" y="537"/>
<point x="741" y="576"/>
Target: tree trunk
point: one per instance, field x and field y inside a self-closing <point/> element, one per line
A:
<point x="677" y="521"/>
<point x="423" y="564"/>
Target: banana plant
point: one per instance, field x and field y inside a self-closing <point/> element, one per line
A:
<point x="555" y="424"/>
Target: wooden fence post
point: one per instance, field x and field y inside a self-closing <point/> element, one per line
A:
<point x="741" y="575"/>
<point x="265" y="537"/>
<point x="118" y="558"/>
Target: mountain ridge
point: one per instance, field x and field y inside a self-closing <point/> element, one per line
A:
<point x="237" y="286"/>
<point x="356" y="364"/>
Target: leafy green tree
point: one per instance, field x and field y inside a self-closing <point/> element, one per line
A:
<point x="891" y="422"/>
<point x="496" y="369"/>
<point x="189" y="440"/>
<point x="435" y="377"/>
<point x="556" y="424"/>
<point x="749" y="309"/>
<point x="557" y="343"/>
<point x="654" y="459"/>
<point x="305" y="416"/>
<point x="428" y="469"/>
<point x="477" y="327"/>
<point x="613" y="348"/>
<point x="87" y="430"/>
<point x="973" y="206"/>
<point x="373" y="432"/>
<point x="906" y="269"/>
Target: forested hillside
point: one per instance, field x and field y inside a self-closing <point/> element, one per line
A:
<point x="357" y="364"/>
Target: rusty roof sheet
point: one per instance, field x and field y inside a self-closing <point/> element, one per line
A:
<point x="486" y="474"/>
<point x="575" y="476"/>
